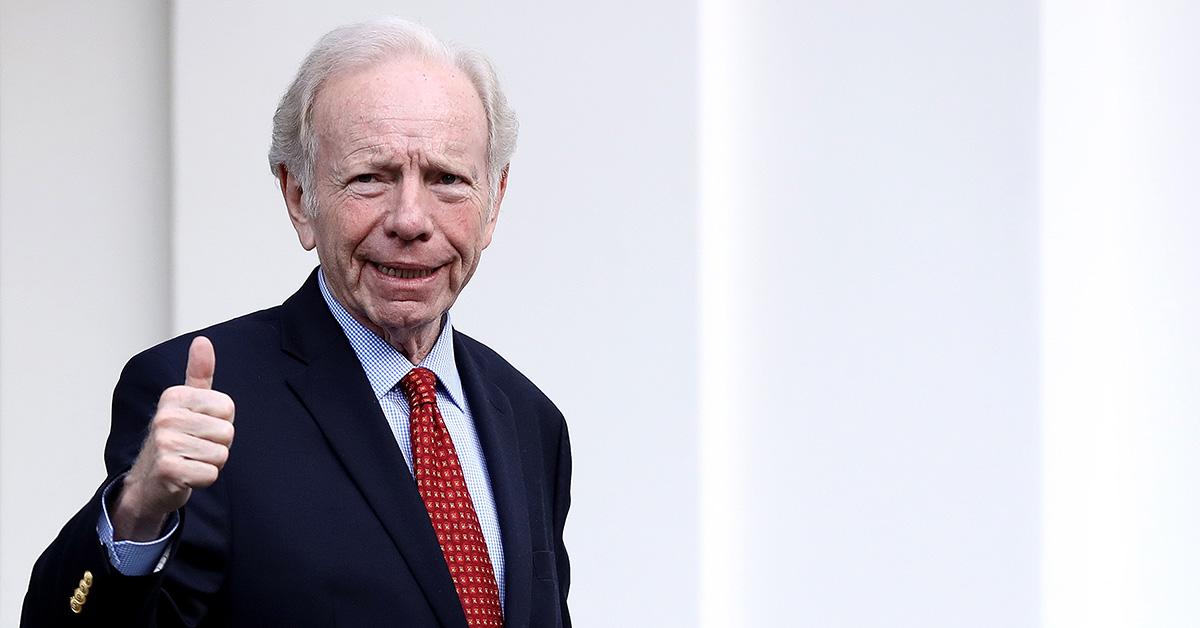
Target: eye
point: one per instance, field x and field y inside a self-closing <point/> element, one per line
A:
<point x="366" y="178"/>
<point x="449" y="179"/>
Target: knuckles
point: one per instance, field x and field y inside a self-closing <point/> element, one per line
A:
<point x="174" y="396"/>
<point x="223" y="433"/>
<point x="176" y="474"/>
<point x="170" y="468"/>
<point x="224" y="406"/>
<point x="165" y="441"/>
<point x="207" y="474"/>
<point x="166" y="419"/>
<point x="211" y="402"/>
<point x="220" y="457"/>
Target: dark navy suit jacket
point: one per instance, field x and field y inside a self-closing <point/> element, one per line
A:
<point x="316" y="520"/>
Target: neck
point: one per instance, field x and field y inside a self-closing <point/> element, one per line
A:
<point x="414" y="344"/>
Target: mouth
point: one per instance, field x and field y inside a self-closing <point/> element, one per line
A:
<point x="405" y="271"/>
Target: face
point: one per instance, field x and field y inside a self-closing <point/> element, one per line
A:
<point x="400" y="185"/>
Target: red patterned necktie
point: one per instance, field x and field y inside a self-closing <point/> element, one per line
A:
<point x="444" y="491"/>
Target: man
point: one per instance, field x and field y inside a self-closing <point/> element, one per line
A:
<point x="391" y="151"/>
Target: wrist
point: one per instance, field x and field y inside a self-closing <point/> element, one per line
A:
<point x="130" y="520"/>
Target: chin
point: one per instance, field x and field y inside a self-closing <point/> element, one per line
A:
<point x="406" y="317"/>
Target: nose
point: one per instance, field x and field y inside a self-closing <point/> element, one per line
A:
<point x="408" y="214"/>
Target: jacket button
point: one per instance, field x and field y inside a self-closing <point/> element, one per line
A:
<point x="76" y="607"/>
<point x="79" y="596"/>
<point x="87" y="578"/>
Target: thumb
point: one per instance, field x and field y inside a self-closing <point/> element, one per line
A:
<point x="201" y="364"/>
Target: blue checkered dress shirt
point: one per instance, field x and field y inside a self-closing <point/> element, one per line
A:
<point x="385" y="367"/>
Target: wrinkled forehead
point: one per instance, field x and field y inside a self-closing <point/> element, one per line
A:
<point x="409" y="95"/>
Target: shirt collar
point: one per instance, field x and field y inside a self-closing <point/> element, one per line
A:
<point x="384" y="365"/>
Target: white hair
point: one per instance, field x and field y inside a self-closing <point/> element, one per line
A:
<point x="293" y="141"/>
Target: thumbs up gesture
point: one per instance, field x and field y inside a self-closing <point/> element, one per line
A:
<point x="187" y="447"/>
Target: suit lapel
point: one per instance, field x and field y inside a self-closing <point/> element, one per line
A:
<point x="497" y="430"/>
<point x="336" y="393"/>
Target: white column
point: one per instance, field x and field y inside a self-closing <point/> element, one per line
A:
<point x="869" y="370"/>
<point x="84" y="199"/>
<point x="1121" y="297"/>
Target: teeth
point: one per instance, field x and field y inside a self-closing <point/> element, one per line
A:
<point x="404" y="273"/>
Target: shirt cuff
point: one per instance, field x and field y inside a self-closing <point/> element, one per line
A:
<point x="134" y="558"/>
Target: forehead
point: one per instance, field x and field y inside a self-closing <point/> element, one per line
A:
<point x="399" y="101"/>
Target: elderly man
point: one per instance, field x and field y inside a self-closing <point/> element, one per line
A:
<point x="385" y="469"/>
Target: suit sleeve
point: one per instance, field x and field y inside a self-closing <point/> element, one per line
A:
<point x="178" y="595"/>
<point x="562" y="503"/>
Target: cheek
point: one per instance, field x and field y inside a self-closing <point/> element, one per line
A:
<point x="468" y="255"/>
<point x="468" y="230"/>
<point x="340" y="237"/>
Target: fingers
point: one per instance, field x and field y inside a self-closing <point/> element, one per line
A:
<point x="201" y="450"/>
<point x="201" y="364"/>
<point x="192" y="423"/>
<point x="219" y="432"/>
<point x="186" y="450"/>
<point x="211" y="402"/>
<point x="188" y="474"/>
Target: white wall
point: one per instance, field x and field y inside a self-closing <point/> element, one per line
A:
<point x="84" y="194"/>
<point x="1121" y="301"/>
<point x="871" y="198"/>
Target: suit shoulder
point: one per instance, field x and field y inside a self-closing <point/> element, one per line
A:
<point x="237" y="335"/>
<point x="502" y="373"/>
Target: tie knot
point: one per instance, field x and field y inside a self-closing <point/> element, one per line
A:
<point x="419" y="386"/>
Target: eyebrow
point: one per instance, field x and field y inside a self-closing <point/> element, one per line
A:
<point x="381" y="159"/>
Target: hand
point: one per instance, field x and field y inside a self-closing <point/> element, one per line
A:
<point x="187" y="447"/>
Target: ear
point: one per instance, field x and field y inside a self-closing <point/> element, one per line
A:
<point x="293" y="195"/>
<point x="490" y="226"/>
